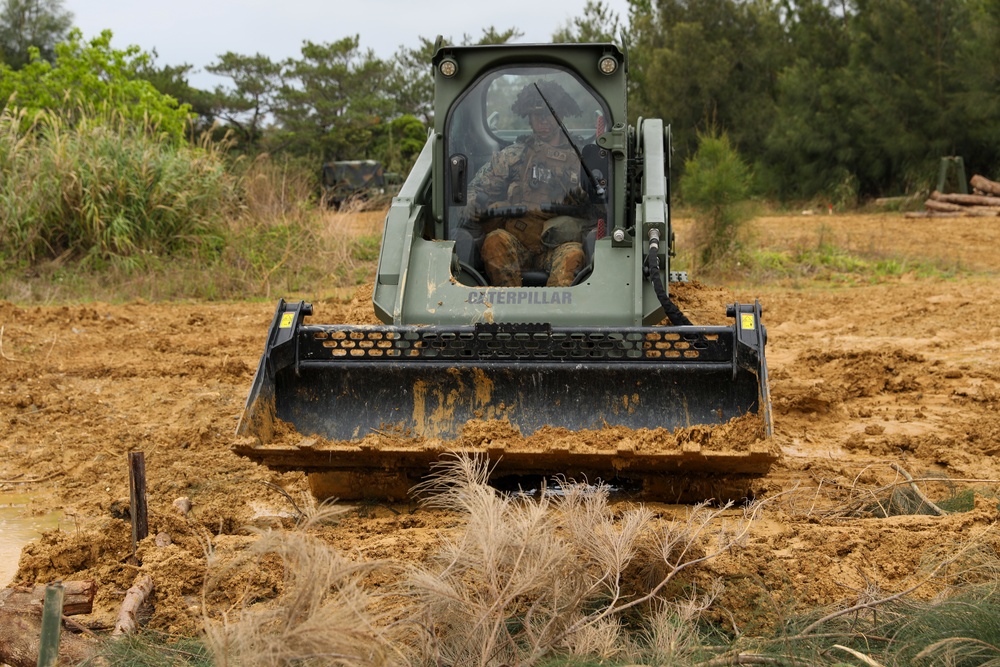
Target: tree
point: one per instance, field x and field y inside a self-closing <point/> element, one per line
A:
<point x="256" y="84"/>
<point x="598" y="23"/>
<point x="31" y="23"/>
<point x="493" y="36"/>
<point x="398" y="142"/>
<point x="716" y="183"/>
<point x="93" y="79"/>
<point x="977" y="100"/>
<point x="332" y="99"/>
<point x="172" y="80"/>
<point x="878" y="116"/>
<point x="705" y="63"/>
<point x="412" y="83"/>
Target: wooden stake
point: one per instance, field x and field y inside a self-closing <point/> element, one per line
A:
<point x="137" y="498"/>
<point x="48" y="651"/>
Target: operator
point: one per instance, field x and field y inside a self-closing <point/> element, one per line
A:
<point x="532" y="178"/>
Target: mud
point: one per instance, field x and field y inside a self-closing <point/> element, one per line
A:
<point x="871" y="381"/>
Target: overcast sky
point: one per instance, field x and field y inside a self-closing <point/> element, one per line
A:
<point x="197" y="31"/>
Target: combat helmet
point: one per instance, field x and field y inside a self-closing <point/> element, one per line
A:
<point x="529" y="100"/>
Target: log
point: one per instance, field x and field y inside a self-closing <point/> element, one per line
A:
<point x="985" y="184"/>
<point x="932" y="214"/>
<point x="78" y="597"/>
<point x="896" y="201"/>
<point x="933" y="205"/>
<point x="20" y="637"/>
<point x="982" y="211"/>
<point x="134" y="597"/>
<point x="972" y="200"/>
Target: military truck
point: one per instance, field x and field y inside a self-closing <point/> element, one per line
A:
<point x="346" y="180"/>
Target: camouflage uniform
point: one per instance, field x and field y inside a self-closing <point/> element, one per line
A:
<point x="531" y="173"/>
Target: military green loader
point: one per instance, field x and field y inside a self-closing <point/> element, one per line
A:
<point x="523" y="286"/>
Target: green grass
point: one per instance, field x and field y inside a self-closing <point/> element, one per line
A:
<point x="153" y="649"/>
<point x="366" y="248"/>
<point x="824" y="264"/>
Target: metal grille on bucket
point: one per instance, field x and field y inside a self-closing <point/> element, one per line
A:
<point x="515" y="342"/>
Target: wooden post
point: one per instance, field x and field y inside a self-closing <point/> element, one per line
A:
<point x="48" y="650"/>
<point x="137" y="498"/>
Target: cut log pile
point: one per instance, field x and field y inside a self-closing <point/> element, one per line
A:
<point x="21" y="620"/>
<point x="984" y="202"/>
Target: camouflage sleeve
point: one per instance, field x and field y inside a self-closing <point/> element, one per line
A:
<point x="490" y="184"/>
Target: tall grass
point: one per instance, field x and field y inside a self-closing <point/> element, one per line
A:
<point x="102" y="209"/>
<point x="104" y="191"/>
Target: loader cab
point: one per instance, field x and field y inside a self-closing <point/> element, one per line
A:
<point x="483" y="129"/>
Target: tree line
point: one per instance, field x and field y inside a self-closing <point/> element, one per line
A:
<point x="842" y="100"/>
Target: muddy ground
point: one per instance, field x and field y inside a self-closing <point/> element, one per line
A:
<point x="871" y="380"/>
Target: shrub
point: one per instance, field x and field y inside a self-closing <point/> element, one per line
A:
<point x="716" y="183"/>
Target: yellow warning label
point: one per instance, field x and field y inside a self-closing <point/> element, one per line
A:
<point x="286" y="320"/>
<point x="746" y="321"/>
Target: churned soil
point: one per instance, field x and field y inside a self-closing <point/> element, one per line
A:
<point x="871" y="381"/>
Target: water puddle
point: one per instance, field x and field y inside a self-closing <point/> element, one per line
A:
<point x="17" y="528"/>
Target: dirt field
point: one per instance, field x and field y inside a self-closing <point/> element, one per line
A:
<point x="869" y="382"/>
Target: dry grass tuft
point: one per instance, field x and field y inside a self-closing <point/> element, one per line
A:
<point x="529" y="578"/>
<point x="322" y="615"/>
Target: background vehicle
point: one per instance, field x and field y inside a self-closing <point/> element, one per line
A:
<point x="344" y="179"/>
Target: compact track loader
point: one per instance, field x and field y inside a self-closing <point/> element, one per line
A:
<point x="597" y="375"/>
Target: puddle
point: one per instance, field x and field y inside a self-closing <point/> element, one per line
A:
<point x="17" y="528"/>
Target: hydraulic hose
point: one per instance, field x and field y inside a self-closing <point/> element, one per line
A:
<point x="670" y="309"/>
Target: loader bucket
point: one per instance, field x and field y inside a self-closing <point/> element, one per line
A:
<point x="373" y="407"/>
